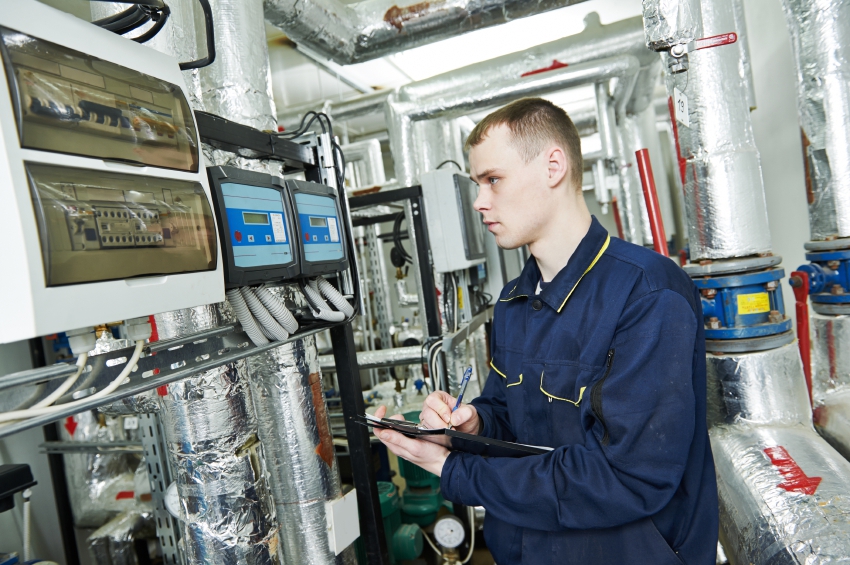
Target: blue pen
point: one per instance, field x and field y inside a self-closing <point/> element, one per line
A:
<point x="463" y="382"/>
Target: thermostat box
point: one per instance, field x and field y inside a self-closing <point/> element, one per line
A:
<point x="255" y="224"/>
<point x="321" y="228"/>
<point x="105" y="211"/>
<point x="455" y="229"/>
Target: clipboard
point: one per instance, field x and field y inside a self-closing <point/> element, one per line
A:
<point x="469" y="443"/>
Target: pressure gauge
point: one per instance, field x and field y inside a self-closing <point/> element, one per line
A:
<point x="172" y="500"/>
<point x="449" y="532"/>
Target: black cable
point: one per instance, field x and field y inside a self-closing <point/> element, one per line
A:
<point x="124" y="22"/>
<point x="397" y="239"/>
<point x="159" y="20"/>
<point x="447" y="161"/>
<point x="210" y="33"/>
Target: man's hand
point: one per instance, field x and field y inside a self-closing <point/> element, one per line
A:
<point x="437" y="413"/>
<point x="430" y="456"/>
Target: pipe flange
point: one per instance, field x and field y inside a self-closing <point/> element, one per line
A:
<point x="749" y="345"/>
<point x="726" y="266"/>
<point x="829" y="245"/>
<point x="831" y="309"/>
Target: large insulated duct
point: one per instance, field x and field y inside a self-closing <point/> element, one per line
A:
<point x="352" y="33"/>
<point x="820" y="38"/>
<point x="724" y="190"/>
<point x="296" y="435"/>
<point x="782" y="488"/>
<point x="401" y="115"/>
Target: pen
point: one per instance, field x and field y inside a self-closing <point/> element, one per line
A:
<point x="463" y="382"/>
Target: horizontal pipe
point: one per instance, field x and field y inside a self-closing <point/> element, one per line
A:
<point x="380" y="358"/>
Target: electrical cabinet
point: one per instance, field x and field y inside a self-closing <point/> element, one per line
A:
<point x="105" y="213"/>
<point x="320" y="226"/>
<point x="455" y="229"/>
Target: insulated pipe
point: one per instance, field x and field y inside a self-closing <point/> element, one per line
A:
<point x="401" y="115"/>
<point x="724" y="190"/>
<point x="596" y="41"/>
<point x="820" y="39"/>
<point x="381" y="358"/>
<point x="296" y="434"/>
<point x="354" y="33"/>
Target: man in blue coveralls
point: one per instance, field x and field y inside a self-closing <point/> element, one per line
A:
<point x="597" y="352"/>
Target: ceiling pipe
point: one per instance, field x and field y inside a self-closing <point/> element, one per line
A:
<point x="401" y="115"/>
<point x="596" y="41"/>
<point x="354" y="33"/>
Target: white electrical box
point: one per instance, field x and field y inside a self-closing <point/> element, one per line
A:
<point x="105" y="210"/>
<point x="455" y="229"/>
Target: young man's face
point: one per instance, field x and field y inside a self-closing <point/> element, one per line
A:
<point x="514" y="197"/>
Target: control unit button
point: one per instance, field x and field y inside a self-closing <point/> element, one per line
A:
<point x="315" y="238"/>
<point x="268" y="238"/>
<point x="326" y="238"/>
<point x="237" y="235"/>
<point x="250" y="239"/>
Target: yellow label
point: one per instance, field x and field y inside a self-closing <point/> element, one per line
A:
<point x="757" y="303"/>
<point x="460" y="298"/>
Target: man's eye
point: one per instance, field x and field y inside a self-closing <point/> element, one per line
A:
<point x="493" y="180"/>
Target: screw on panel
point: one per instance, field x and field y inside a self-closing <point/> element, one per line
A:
<point x="713" y="323"/>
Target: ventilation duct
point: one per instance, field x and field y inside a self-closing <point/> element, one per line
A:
<point x="353" y="33"/>
<point x="820" y="38"/>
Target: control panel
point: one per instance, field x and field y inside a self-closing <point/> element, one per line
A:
<point x="320" y="228"/>
<point x="455" y="229"/>
<point x="105" y="213"/>
<point x="254" y="215"/>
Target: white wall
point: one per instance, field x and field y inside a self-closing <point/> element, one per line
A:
<point x="777" y="133"/>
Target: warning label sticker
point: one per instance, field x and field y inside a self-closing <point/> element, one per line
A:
<point x="680" y="103"/>
<point x="757" y="303"/>
<point x="278" y="229"/>
<point x="332" y="229"/>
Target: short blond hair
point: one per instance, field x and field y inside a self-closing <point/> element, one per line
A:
<point x="533" y="122"/>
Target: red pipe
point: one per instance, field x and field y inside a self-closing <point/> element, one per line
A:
<point x="615" y="208"/>
<point x="800" y="283"/>
<point x="656" y="224"/>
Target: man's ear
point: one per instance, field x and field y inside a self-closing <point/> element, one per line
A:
<point x="557" y="165"/>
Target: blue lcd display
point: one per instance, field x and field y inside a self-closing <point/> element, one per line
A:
<point x="320" y="227"/>
<point x="258" y="229"/>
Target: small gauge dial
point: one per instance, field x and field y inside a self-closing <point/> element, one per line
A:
<point x="449" y="532"/>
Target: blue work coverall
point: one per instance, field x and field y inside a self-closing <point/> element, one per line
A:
<point x="607" y="366"/>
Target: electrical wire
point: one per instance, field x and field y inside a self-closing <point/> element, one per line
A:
<point x="428" y="539"/>
<point x="64" y="387"/>
<point x="27" y="533"/>
<point x="108" y="389"/>
<point x="470" y="513"/>
<point x="447" y="161"/>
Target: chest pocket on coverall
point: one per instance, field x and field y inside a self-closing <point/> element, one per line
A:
<point x="560" y="391"/>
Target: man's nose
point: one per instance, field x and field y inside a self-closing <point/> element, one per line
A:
<point x="482" y="202"/>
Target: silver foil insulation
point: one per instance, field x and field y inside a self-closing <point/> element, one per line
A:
<point x="225" y="508"/>
<point x="356" y="32"/>
<point x="671" y="22"/>
<point x="820" y="39"/>
<point x="782" y="488"/>
<point x="114" y="542"/>
<point x="831" y="379"/>
<point x="295" y="430"/>
<point x="724" y="190"/>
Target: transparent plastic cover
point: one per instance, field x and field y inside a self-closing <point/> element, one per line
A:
<point x="99" y="226"/>
<point x="70" y="102"/>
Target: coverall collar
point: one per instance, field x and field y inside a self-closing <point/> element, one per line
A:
<point x="555" y="295"/>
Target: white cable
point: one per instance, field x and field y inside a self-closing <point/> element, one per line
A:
<point x="336" y="298"/>
<point x="470" y="513"/>
<point x="245" y="318"/>
<point x="262" y="316"/>
<point x="64" y="387"/>
<point x="428" y="539"/>
<point x="278" y="309"/>
<point x="108" y="389"/>
<point x="27" y="525"/>
<point x="319" y="307"/>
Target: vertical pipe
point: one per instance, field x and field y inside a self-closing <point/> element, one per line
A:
<point x="800" y="282"/>
<point x="656" y="223"/>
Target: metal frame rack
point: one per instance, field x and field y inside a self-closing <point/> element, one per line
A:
<point x="168" y="361"/>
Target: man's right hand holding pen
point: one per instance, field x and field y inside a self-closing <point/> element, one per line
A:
<point x="437" y="413"/>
